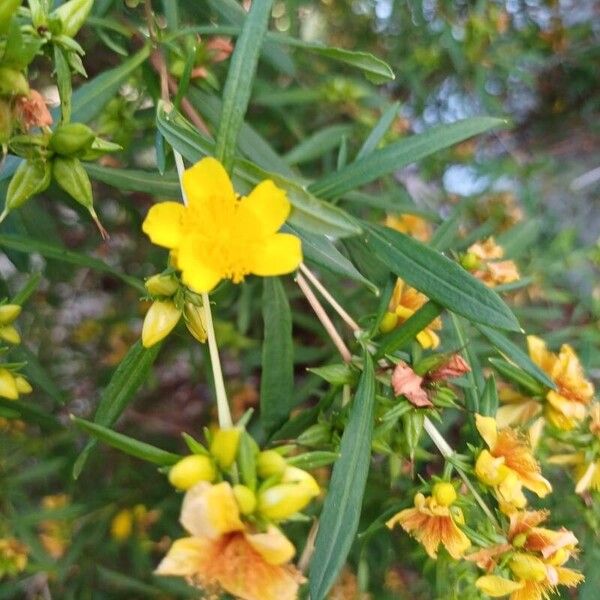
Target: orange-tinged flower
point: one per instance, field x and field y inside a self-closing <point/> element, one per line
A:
<point x="508" y="466"/>
<point x="32" y="111"/>
<point x="224" y="555"/>
<point x="412" y="225"/>
<point x="484" y="260"/>
<point x="405" y="302"/>
<point x="433" y="524"/>
<point x="220" y="236"/>
<point x="567" y="406"/>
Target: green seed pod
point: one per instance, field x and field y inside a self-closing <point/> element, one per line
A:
<point x="13" y="83"/>
<point x="30" y="178"/>
<point x="7" y="10"/>
<point x="71" y="139"/>
<point x="72" y="15"/>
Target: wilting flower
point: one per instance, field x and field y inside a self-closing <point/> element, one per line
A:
<point x="404" y="304"/>
<point x="221" y="236"/>
<point x="13" y="557"/>
<point x="483" y="259"/>
<point x="223" y="554"/>
<point x="32" y="111"/>
<point x="567" y="406"/>
<point x="433" y="521"/>
<point x="508" y="465"/>
<point x="412" y="225"/>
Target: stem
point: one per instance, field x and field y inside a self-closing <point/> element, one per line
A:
<point x="324" y="318"/>
<point x="222" y="403"/>
<point x="327" y="295"/>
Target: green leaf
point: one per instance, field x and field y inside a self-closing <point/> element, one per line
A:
<point x="316" y="145"/>
<point x="277" y="378"/>
<point x="514" y="354"/>
<point x="439" y="278"/>
<point x="313" y="460"/>
<point x="341" y="512"/>
<point x="63" y="81"/>
<point x="238" y="86"/>
<point x="22" y="243"/>
<point x="518" y="376"/>
<point x="322" y="251"/>
<point x="377" y="133"/>
<point x="129" y="376"/>
<point x="399" y="154"/>
<point x="308" y="212"/>
<point x="392" y="341"/>
<point x="38" y="374"/>
<point x="90" y="98"/>
<point x="132" y="180"/>
<point x="31" y="413"/>
<point x="126" y="444"/>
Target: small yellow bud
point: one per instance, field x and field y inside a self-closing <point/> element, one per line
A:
<point x="269" y="463"/>
<point x="161" y="285"/>
<point x="444" y="493"/>
<point x="122" y="525"/>
<point x="519" y="540"/>
<point x="9" y="334"/>
<point x="23" y="386"/>
<point x="490" y="470"/>
<point x="194" y="321"/>
<point x="282" y="501"/>
<point x="8" y="313"/>
<point x="470" y="261"/>
<point x="224" y="446"/>
<point x="528" y="567"/>
<point x="301" y="477"/>
<point x="389" y="322"/>
<point x="8" y="385"/>
<point x="191" y="470"/>
<point x="159" y="321"/>
<point x="245" y="498"/>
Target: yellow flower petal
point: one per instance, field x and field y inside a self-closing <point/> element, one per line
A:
<point x="164" y="223"/>
<point x="207" y="179"/>
<point x="196" y="273"/>
<point x="183" y="557"/>
<point x="280" y="254"/>
<point x="273" y="546"/>
<point x="269" y="204"/>
<point x="488" y="429"/>
<point x="496" y="587"/>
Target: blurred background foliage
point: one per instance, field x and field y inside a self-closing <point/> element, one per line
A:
<point x="534" y="185"/>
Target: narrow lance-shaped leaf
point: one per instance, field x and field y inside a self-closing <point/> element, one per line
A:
<point x="341" y="513"/>
<point x="377" y="133"/>
<point x="129" y="376"/>
<point x="277" y="377"/>
<point x="132" y="180"/>
<point x="439" y="278"/>
<point x="399" y="154"/>
<point x="126" y="444"/>
<point x="238" y="85"/>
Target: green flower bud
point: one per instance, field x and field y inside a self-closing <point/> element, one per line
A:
<point x="71" y="139"/>
<point x="315" y="436"/>
<point x="245" y="498"/>
<point x="30" y="178"/>
<point x="269" y="463"/>
<point x="161" y="285"/>
<point x="72" y="15"/>
<point x="13" y="83"/>
<point x="194" y="321"/>
<point x="160" y="320"/>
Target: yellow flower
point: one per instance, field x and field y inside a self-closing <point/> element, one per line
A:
<point x="13" y="557"/>
<point x="404" y="304"/>
<point x="567" y="406"/>
<point x="224" y="555"/>
<point x="432" y="524"/>
<point x="483" y="259"/>
<point x="508" y="466"/>
<point x="220" y="236"/>
<point x="412" y="225"/>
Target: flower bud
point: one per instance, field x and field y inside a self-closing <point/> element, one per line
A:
<point x="8" y="385"/>
<point x="23" y="386"/>
<point x="301" y="477"/>
<point x="159" y="321"/>
<point x="71" y="138"/>
<point x="269" y="463"/>
<point x="224" y="445"/>
<point x="191" y="470"/>
<point x="470" y="261"/>
<point x="72" y="15"/>
<point x="161" y="285"/>
<point x="245" y="498"/>
<point x="315" y="436"/>
<point x="30" y="178"/>
<point x="194" y="321"/>
<point x="389" y="322"/>
<point x="121" y="525"/>
<point x="9" y="334"/>
<point x="528" y="567"/>
<point x="13" y="82"/>
<point x="519" y="540"/>
<point x="444" y="493"/>
<point x="8" y="313"/>
<point x="281" y="501"/>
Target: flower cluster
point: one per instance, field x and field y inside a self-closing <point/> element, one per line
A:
<point x="484" y="260"/>
<point x="12" y="383"/>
